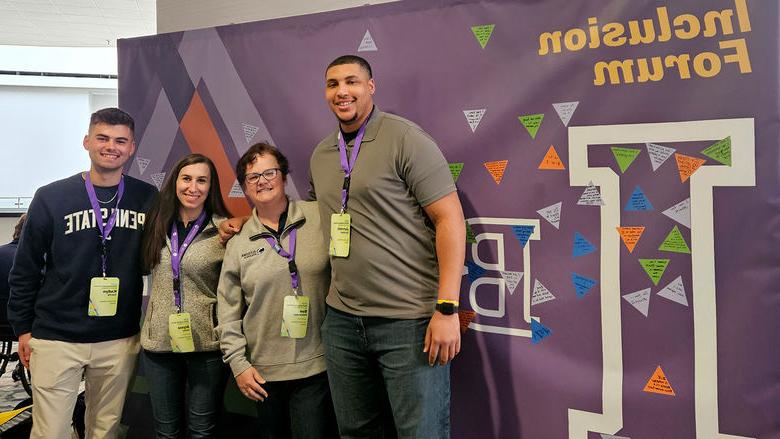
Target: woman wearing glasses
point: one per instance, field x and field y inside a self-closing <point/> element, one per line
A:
<point x="181" y="249"/>
<point x="272" y="302"/>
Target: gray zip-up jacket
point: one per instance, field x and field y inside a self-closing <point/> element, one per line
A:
<point x="199" y="277"/>
<point x="252" y="287"/>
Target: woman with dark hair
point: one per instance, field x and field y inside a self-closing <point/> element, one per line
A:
<point x="272" y="302"/>
<point x="181" y="249"/>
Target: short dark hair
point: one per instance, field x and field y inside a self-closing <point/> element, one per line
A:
<point x="18" y="226"/>
<point x="112" y="116"/>
<point x="352" y="59"/>
<point x="251" y="155"/>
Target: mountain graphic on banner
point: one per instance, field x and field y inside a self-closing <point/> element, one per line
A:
<point x="541" y="294"/>
<point x="538" y="331"/>
<point x="630" y="236"/>
<point x="142" y="164"/>
<point x="474" y="117"/>
<point x="158" y="179"/>
<point x="625" y="156"/>
<point x="638" y="201"/>
<point x="465" y="318"/>
<point x="475" y="271"/>
<point x="590" y="196"/>
<point x="483" y="33"/>
<point x="658" y="154"/>
<point x="496" y="169"/>
<point x="582" y="284"/>
<point x="720" y="151"/>
<point x="639" y="300"/>
<point x="532" y="122"/>
<point x="687" y="165"/>
<point x="654" y="268"/>
<point x="511" y="279"/>
<point x="675" y="242"/>
<point x="249" y="132"/>
<point x="581" y="246"/>
<point x="680" y="212"/>
<point x="455" y="169"/>
<point x="470" y="237"/>
<point x="367" y="44"/>
<point x="551" y="160"/>
<point x="565" y="111"/>
<point x="522" y="233"/>
<point x="552" y="214"/>
<point x="675" y="292"/>
<point x="659" y="384"/>
<point x="236" y="191"/>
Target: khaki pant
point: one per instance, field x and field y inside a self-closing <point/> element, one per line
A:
<point x="57" y="367"/>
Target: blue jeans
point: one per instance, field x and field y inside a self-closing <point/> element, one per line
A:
<point x="380" y="378"/>
<point x="201" y="375"/>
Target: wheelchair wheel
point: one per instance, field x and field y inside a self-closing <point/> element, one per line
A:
<point x="23" y="375"/>
<point x="5" y="354"/>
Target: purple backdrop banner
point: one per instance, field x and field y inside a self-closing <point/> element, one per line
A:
<point x="618" y="165"/>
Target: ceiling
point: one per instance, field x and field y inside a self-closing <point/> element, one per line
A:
<point x="77" y="23"/>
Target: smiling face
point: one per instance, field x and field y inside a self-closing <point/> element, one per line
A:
<point x="348" y="92"/>
<point x="192" y="189"/>
<point x="265" y="192"/>
<point x="109" y="146"/>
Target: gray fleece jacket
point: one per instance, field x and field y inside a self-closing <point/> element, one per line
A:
<point x="252" y="287"/>
<point x="199" y="277"/>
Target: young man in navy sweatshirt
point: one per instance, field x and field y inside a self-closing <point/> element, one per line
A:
<point x="76" y="285"/>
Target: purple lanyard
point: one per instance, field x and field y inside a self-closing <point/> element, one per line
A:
<point x="177" y="255"/>
<point x="348" y="166"/>
<point x="289" y="255"/>
<point x="105" y="232"/>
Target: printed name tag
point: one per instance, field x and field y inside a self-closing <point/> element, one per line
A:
<point x="103" y="296"/>
<point x="339" y="234"/>
<point x="295" y="316"/>
<point x="180" y="330"/>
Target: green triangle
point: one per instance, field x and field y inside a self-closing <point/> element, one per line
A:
<point x="654" y="268"/>
<point x="455" y="169"/>
<point x="483" y="33"/>
<point x="625" y="156"/>
<point x="532" y="122"/>
<point x="470" y="237"/>
<point x="720" y="151"/>
<point x="675" y="242"/>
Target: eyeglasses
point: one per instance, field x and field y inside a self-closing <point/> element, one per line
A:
<point x="268" y="174"/>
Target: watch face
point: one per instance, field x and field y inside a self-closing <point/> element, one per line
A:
<point x="446" y="308"/>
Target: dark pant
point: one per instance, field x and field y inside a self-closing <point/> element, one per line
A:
<point x="374" y="363"/>
<point x="298" y="409"/>
<point x="201" y="375"/>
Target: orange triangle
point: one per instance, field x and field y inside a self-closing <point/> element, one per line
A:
<point x="496" y="169"/>
<point x="630" y="236"/>
<point x="465" y="318"/>
<point x="551" y="160"/>
<point x="687" y="165"/>
<point x="659" y="384"/>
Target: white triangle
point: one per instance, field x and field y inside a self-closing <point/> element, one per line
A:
<point x="158" y="179"/>
<point x="675" y="292"/>
<point x="541" y="294"/>
<point x="235" y="191"/>
<point x="680" y="212"/>
<point x="474" y="117"/>
<point x="552" y="214"/>
<point x="639" y="300"/>
<point x="565" y="110"/>
<point x="249" y="132"/>
<point x="512" y="278"/>
<point x="465" y="271"/>
<point x="142" y="164"/>
<point x="658" y="154"/>
<point x="590" y="196"/>
<point x="610" y="436"/>
<point x="367" y="44"/>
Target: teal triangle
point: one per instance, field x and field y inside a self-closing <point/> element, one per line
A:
<point x="582" y="284"/>
<point x="581" y="246"/>
<point x="539" y="332"/>
<point x="522" y="233"/>
<point x="638" y="201"/>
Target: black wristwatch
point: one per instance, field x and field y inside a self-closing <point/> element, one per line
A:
<point x="447" y="308"/>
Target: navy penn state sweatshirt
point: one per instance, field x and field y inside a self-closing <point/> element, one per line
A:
<point x="59" y="253"/>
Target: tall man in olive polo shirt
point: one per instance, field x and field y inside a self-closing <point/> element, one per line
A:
<point x="397" y="249"/>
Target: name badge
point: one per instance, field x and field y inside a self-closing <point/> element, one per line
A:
<point x="180" y="330"/>
<point x="295" y="316"/>
<point x="339" y="234"/>
<point x="103" y="296"/>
